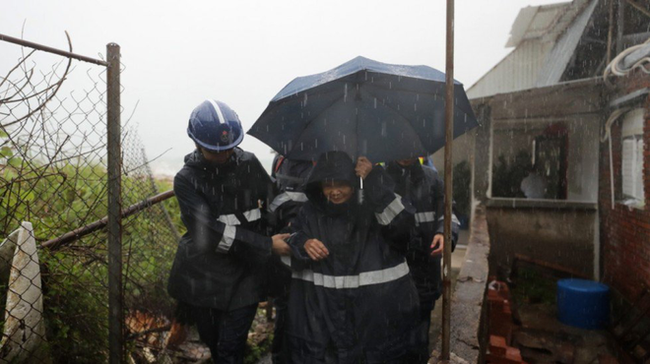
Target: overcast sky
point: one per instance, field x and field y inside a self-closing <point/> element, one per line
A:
<point x="243" y="52"/>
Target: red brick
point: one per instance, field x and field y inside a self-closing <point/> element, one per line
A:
<point x="513" y="354"/>
<point x="498" y="345"/>
<point x="625" y="233"/>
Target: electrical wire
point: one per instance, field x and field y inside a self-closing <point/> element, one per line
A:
<point x="614" y="67"/>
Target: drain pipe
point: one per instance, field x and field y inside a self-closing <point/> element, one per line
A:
<point x="608" y="136"/>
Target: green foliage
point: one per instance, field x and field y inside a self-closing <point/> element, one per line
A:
<point x="75" y="309"/>
<point x="506" y="177"/>
<point x="60" y="198"/>
<point x="534" y="287"/>
<point x="150" y="253"/>
<point x="172" y="205"/>
<point x="255" y="349"/>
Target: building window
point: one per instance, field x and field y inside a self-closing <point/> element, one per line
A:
<point x="632" y="158"/>
<point x="545" y="159"/>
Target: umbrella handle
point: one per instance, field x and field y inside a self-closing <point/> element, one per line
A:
<point x="360" y="194"/>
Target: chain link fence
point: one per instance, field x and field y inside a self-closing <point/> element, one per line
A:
<point x="54" y="202"/>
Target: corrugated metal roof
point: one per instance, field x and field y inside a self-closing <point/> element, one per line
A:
<point x="557" y="60"/>
<point x="546" y="38"/>
<point x="535" y="21"/>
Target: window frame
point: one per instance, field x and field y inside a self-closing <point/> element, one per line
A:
<point x="632" y="131"/>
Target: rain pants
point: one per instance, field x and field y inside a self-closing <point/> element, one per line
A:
<point x="358" y="305"/>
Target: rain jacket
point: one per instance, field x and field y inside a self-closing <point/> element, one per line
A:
<point x="290" y="178"/>
<point x="424" y="189"/>
<point x="359" y="304"/>
<point x="221" y="259"/>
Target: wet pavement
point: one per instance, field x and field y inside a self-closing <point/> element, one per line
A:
<point x="457" y="259"/>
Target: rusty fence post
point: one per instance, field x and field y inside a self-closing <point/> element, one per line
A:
<point x="449" y="136"/>
<point x="115" y="301"/>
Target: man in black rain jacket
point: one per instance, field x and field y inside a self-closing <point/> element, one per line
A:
<point x="424" y="189"/>
<point x="352" y="300"/>
<point x="218" y="272"/>
<point x="290" y="177"/>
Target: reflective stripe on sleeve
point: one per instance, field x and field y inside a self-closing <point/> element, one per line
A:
<point x="392" y="210"/>
<point x="353" y="281"/>
<point x="227" y="239"/>
<point x="454" y="219"/>
<point x="286" y="260"/>
<point x="426" y="216"/>
<point x="229" y="219"/>
<point x="286" y="197"/>
<point x="253" y="215"/>
<point x="250" y="215"/>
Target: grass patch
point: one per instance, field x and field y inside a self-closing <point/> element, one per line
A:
<point x="533" y="287"/>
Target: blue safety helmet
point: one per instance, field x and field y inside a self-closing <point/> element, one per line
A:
<point x="215" y="126"/>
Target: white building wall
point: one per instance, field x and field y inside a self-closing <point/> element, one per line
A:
<point x="462" y="149"/>
<point x="583" y="160"/>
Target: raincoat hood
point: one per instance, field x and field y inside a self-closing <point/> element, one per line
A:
<point x="405" y="177"/>
<point x="331" y="166"/>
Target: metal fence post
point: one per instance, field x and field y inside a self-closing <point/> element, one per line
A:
<point x="449" y="136"/>
<point x="115" y="301"/>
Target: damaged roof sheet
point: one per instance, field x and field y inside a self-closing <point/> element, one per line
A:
<point x="563" y="50"/>
<point x="535" y="21"/>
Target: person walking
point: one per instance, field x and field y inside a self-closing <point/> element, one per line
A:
<point x="352" y="300"/>
<point x="424" y="189"/>
<point x="290" y="177"/>
<point x="218" y="273"/>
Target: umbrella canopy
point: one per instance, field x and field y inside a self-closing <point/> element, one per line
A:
<point x="364" y="108"/>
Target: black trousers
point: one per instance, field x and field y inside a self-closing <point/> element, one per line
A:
<point x="420" y="341"/>
<point x="224" y="332"/>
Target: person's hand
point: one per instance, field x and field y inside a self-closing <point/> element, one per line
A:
<point x="363" y="168"/>
<point x="280" y="247"/>
<point x="438" y="245"/>
<point x="316" y="249"/>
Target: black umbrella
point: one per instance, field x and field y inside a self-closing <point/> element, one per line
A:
<point x="365" y="108"/>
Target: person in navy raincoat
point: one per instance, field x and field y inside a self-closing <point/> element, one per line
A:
<point x="218" y="272"/>
<point x="424" y="189"/>
<point x="352" y="299"/>
<point x="290" y="177"/>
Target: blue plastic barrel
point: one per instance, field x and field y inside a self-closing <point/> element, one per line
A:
<point x="583" y="303"/>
